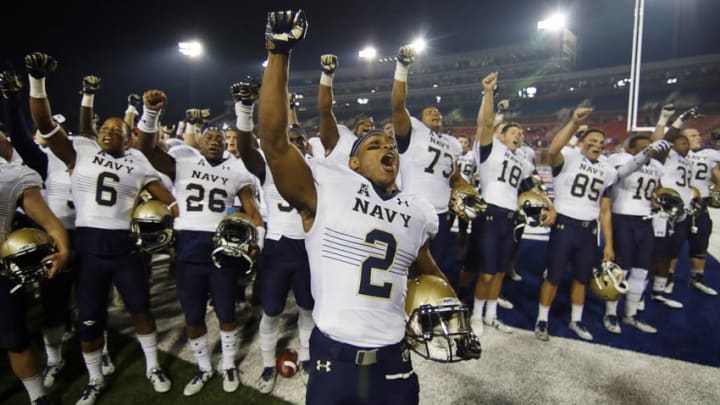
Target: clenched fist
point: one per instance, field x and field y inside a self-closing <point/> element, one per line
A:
<point x="38" y="64"/>
<point x="329" y="63"/>
<point x="406" y="55"/>
<point x="154" y="100"/>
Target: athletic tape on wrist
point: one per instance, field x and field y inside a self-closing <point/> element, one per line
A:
<point x="326" y="79"/>
<point x="401" y="72"/>
<point x="37" y="87"/>
<point x="88" y="100"/>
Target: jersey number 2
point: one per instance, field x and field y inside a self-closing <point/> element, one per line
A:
<point x="379" y="263"/>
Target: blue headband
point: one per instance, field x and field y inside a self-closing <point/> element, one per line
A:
<point x="362" y="138"/>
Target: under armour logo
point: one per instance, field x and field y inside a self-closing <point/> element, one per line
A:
<point x="401" y="202"/>
<point x="320" y="366"/>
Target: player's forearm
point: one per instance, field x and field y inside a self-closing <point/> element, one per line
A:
<point x="485" y="119"/>
<point x="561" y="139"/>
<point x="22" y="141"/>
<point x="327" y="123"/>
<point x="272" y="111"/>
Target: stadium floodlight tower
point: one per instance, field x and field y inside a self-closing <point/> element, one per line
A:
<point x="191" y="49"/>
<point x="554" y="34"/>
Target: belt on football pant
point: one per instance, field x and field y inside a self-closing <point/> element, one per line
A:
<point x="565" y="220"/>
<point x="344" y="352"/>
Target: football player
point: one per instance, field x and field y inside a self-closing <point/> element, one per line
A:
<point x="429" y="157"/>
<point x="503" y="174"/>
<point x="56" y="292"/>
<point x="704" y="160"/>
<point x="362" y="236"/>
<point x="639" y="174"/>
<point x="107" y="177"/>
<point x="20" y="187"/>
<point x="206" y="184"/>
<point x="582" y="186"/>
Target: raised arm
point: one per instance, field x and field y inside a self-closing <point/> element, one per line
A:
<point x="147" y="132"/>
<point x="245" y="94"/>
<point x="90" y="86"/>
<point x="398" y="98"/>
<point x="329" y="134"/>
<point x="39" y="64"/>
<point x="486" y="114"/>
<point x="563" y="136"/>
<point x="17" y="125"/>
<point x="192" y="118"/>
<point x="132" y="111"/>
<point x="659" y="147"/>
<point x="292" y="175"/>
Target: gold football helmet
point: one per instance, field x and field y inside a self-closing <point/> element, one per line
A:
<point x="714" y="200"/>
<point x="438" y="324"/>
<point x="152" y="224"/>
<point x="22" y="253"/>
<point x="667" y="203"/>
<point x="530" y="207"/>
<point x="695" y="202"/>
<point x="608" y="283"/>
<point x="234" y="237"/>
<point x="466" y="203"/>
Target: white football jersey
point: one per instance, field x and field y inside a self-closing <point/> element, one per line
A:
<point x="468" y="165"/>
<point x="105" y="188"/>
<point x="703" y="162"/>
<point x="527" y="153"/>
<point x="677" y="175"/>
<point x="318" y="150"/>
<point x="14" y="180"/>
<point x="632" y="194"/>
<point x="282" y="220"/>
<point x="580" y="185"/>
<point x="428" y="163"/>
<point x="204" y="192"/>
<point x="341" y="152"/>
<point x="502" y="173"/>
<point x="360" y="249"/>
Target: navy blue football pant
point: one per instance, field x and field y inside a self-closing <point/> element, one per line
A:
<point x="572" y="242"/>
<point x="495" y="244"/>
<point x="284" y="266"/>
<point x="347" y="374"/>
<point x="439" y="246"/>
<point x="198" y="279"/>
<point x="699" y="240"/>
<point x="669" y="246"/>
<point x="633" y="240"/>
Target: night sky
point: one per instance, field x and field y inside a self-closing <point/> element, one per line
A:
<point x="133" y="45"/>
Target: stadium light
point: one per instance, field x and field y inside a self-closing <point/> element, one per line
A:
<point x="264" y="64"/>
<point x="192" y="49"/>
<point x="555" y="22"/>
<point x="362" y="100"/>
<point x="367" y="53"/>
<point x="419" y="45"/>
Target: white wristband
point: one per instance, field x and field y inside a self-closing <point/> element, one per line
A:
<point x="51" y="133"/>
<point x="88" y="100"/>
<point x="180" y="128"/>
<point x="678" y="123"/>
<point x="131" y="110"/>
<point x="260" y="236"/>
<point x="662" y="121"/>
<point x="326" y="79"/>
<point x="401" y="72"/>
<point x="37" y="87"/>
<point x="172" y="204"/>
<point x="244" y="114"/>
<point x="149" y="121"/>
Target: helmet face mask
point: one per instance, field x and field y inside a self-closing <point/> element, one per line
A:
<point x="466" y="203"/>
<point x="608" y="283"/>
<point x="152" y="224"/>
<point x="438" y="326"/>
<point x="22" y="254"/>
<point x="233" y="239"/>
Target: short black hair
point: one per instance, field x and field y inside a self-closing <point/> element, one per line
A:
<point x="632" y="142"/>
<point x="509" y="125"/>
<point x="591" y="130"/>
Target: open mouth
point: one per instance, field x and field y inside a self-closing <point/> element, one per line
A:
<point x="388" y="162"/>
